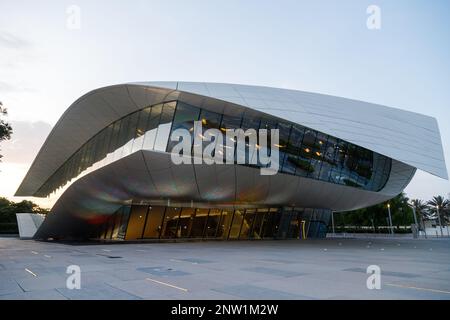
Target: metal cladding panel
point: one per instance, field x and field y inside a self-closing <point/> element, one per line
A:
<point x="148" y="176"/>
<point x="408" y="137"/>
<point x="405" y="136"/>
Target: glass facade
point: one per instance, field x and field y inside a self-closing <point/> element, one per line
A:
<point x="139" y="222"/>
<point x="303" y="151"/>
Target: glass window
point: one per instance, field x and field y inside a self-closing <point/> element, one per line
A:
<point x="210" y="119"/>
<point x="154" y="221"/>
<point x="257" y="230"/>
<point x="317" y="152"/>
<point x="117" y="224"/>
<point x="284" y="133"/>
<point x="152" y="127"/>
<point x="294" y="226"/>
<point x="132" y="125"/>
<point x="99" y="149"/>
<point x="110" y="227"/>
<point x="124" y="224"/>
<point x="250" y="122"/>
<point x="170" y="225"/>
<point x="229" y="123"/>
<point x="184" y="118"/>
<point x="123" y="134"/>
<point x="247" y="223"/>
<point x="225" y="222"/>
<point x="236" y="225"/>
<point x="140" y="130"/>
<point x="136" y="222"/>
<point x="292" y="149"/>
<point x="143" y="120"/>
<point x="162" y="137"/>
<point x="285" y="222"/>
<point x="114" y="137"/>
<point x="213" y="223"/>
<point x="185" y="222"/>
<point x="199" y="223"/>
<point x="271" y="224"/>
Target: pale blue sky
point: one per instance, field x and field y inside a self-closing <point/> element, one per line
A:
<point x="319" y="46"/>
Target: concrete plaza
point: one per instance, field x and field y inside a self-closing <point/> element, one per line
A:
<point x="310" y="269"/>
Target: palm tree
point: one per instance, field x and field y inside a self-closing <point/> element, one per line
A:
<point x="439" y="202"/>
<point x="441" y="205"/>
<point x="421" y="210"/>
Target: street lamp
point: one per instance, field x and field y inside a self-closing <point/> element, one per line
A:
<point x="415" y="218"/>
<point x="390" y="218"/>
<point x="332" y="223"/>
<point x="439" y="219"/>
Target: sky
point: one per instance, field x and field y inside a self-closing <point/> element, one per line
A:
<point x="47" y="60"/>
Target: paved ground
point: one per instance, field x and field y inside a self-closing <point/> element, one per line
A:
<point x="320" y="269"/>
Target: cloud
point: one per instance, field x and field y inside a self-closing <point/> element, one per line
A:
<point x="11" y="41"/>
<point x="9" y="88"/>
<point x="26" y="140"/>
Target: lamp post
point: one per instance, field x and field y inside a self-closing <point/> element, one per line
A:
<point x="415" y="217"/>
<point x="439" y="219"/>
<point x="390" y="218"/>
<point x="332" y="222"/>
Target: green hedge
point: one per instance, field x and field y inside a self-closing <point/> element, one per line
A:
<point x="8" y="228"/>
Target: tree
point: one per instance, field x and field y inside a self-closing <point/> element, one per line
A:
<point x="376" y="216"/>
<point x="5" y="127"/>
<point x="421" y="211"/>
<point x="439" y="202"/>
<point x="8" y="210"/>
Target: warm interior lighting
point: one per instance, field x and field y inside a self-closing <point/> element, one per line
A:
<point x="307" y="150"/>
<point x="318" y="154"/>
<point x="203" y="121"/>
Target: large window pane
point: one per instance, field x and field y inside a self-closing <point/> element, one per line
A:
<point x="162" y="136"/>
<point x="258" y="224"/>
<point x="136" y="222"/>
<point x="247" y="223"/>
<point x="152" y="127"/>
<point x="236" y="225"/>
<point x="117" y="224"/>
<point x="229" y="144"/>
<point x="185" y="222"/>
<point x="317" y="151"/>
<point x="271" y="224"/>
<point x="184" y="118"/>
<point x="199" y="223"/>
<point x="140" y="129"/>
<point x="154" y="222"/>
<point x="170" y="226"/>
<point x="213" y="223"/>
<point x="292" y="149"/>
<point x="225" y="223"/>
<point x="132" y="125"/>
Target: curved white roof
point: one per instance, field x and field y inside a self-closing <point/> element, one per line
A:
<point x="408" y="137"/>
